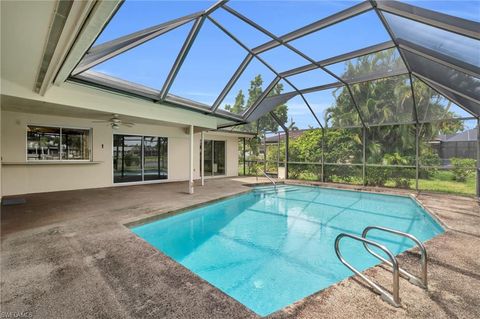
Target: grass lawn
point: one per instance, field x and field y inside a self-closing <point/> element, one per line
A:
<point x="443" y="181"/>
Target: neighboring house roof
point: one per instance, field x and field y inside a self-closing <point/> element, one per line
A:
<point x="293" y="135"/>
<point x="467" y="136"/>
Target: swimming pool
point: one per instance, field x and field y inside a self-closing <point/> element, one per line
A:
<point x="269" y="248"/>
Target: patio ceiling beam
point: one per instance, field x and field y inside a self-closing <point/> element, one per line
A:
<point x="255" y="104"/>
<point x="110" y="49"/>
<point x="340" y="58"/>
<point x="437" y="86"/>
<point x="181" y="56"/>
<point x="446" y="22"/>
<point x="298" y="52"/>
<point x="232" y="81"/>
<point x="315" y="26"/>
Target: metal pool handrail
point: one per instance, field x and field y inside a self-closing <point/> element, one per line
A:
<point x="268" y="177"/>
<point x="422" y="282"/>
<point x="392" y="298"/>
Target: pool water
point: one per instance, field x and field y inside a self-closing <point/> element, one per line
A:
<point x="269" y="248"/>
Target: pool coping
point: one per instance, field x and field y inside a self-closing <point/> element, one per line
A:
<point x="159" y="216"/>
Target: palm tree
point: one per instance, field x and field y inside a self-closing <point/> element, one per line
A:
<point x="389" y="101"/>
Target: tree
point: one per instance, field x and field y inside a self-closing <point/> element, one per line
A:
<point x="389" y="101"/>
<point x="266" y="123"/>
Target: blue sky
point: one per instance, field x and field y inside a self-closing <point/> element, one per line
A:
<point x="214" y="56"/>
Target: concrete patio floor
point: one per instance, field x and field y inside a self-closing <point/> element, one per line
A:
<point x="70" y="255"/>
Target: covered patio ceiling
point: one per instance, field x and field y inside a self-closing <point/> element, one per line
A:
<point x="219" y="49"/>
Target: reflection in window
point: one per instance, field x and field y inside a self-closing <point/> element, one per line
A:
<point x="214" y="158"/>
<point x="75" y="144"/>
<point x="155" y="158"/>
<point x="54" y="143"/>
<point x="139" y="158"/>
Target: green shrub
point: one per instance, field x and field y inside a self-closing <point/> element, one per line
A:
<point x="377" y="176"/>
<point x="428" y="158"/>
<point x="400" y="176"/>
<point x="462" y="168"/>
<point x="343" y="174"/>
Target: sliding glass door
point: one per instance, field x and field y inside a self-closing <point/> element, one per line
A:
<point x="139" y="158"/>
<point x="214" y="158"/>
<point x="155" y="158"/>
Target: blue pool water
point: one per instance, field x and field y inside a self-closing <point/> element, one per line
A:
<point x="268" y="249"/>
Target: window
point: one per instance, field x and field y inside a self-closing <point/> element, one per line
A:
<point x="56" y="143"/>
<point x="214" y="158"/>
<point x="139" y="158"/>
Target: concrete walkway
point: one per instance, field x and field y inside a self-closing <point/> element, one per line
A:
<point x="69" y="255"/>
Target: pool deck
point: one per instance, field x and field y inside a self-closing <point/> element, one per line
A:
<point x="69" y="255"/>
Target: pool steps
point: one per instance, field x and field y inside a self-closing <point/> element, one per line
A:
<point x="394" y="297"/>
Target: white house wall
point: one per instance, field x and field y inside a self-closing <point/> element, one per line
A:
<point x="18" y="177"/>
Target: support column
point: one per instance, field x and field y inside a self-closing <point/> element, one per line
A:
<point x="202" y="163"/>
<point x="287" y="135"/>
<point x="364" y="157"/>
<point x="190" y="170"/>
<point x="323" y="156"/>
<point x="478" y="158"/>
<point x="417" y="154"/>
<point x="244" y="157"/>
<point x="265" y="153"/>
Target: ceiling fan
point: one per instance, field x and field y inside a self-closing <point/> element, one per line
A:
<point x="115" y="122"/>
